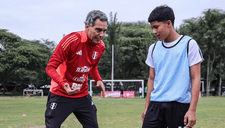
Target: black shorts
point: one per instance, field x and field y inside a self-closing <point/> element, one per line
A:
<point x="165" y="114"/>
<point x="59" y="108"/>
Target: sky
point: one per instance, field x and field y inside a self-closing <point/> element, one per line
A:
<point x="51" y="19"/>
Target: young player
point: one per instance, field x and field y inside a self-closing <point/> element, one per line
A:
<point x="140" y="91"/>
<point x="145" y="91"/>
<point x="121" y="91"/>
<point x="174" y="76"/>
<point x="76" y="56"/>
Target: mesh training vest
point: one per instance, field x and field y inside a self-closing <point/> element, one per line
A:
<point x="172" y="76"/>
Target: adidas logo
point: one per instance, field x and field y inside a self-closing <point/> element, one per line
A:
<point x="79" y="53"/>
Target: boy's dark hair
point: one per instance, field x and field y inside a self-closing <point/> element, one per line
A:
<point x="162" y="13"/>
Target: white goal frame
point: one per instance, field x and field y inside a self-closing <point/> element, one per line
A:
<point x="136" y="80"/>
<point x="33" y="91"/>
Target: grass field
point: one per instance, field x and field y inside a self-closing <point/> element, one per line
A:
<point x="112" y="113"/>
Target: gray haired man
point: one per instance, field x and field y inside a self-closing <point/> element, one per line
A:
<point x="76" y="56"/>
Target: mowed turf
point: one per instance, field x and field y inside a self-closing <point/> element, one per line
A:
<point x="112" y="113"/>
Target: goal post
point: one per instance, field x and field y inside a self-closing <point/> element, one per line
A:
<point x="32" y="92"/>
<point x="117" y="80"/>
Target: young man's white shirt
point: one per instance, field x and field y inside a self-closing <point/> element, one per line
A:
<point x="140" y="90"/>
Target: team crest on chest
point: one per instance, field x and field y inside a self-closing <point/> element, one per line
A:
<point x="95" y="55"/>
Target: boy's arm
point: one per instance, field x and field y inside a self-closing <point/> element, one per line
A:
<point x="190" y="116"/>
<point x="150" y="88"/>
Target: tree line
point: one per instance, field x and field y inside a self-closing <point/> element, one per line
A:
<point x="23" y="62"/>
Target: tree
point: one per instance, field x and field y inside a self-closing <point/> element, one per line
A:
<point x="8" y="41"/>
<point x="23" y="61"/>
<point x="208" y="31"/>
<point x="111" y="38"/>
<point x="136" y="38"/>
<point x="131" y="41"/>
<point x="44" y="50"/>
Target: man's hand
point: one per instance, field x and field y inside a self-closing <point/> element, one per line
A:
<point x="101" y="85"/>
<point x="69" y="90"/>
<point x="190" y="118"/>
<point x="143" y="115"/>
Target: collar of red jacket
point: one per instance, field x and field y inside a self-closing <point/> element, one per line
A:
<point x="84" y="36"/>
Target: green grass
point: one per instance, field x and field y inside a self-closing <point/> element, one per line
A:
<point x="211" y="112"/>
<point x="112" y="113"/>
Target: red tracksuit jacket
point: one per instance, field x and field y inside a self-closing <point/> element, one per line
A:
<point x="73" y="60"/>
